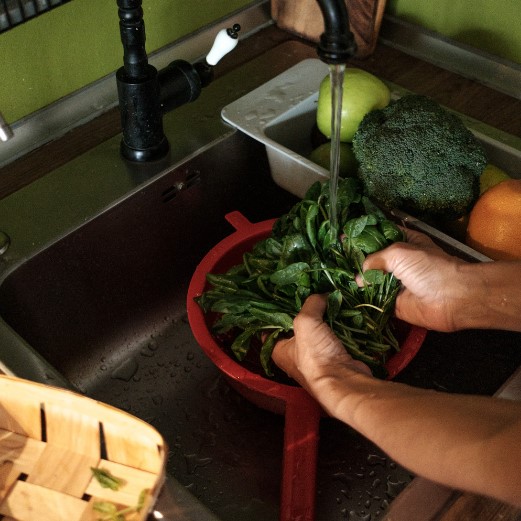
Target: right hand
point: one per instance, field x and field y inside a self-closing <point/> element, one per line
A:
<point x="434" y="291"/>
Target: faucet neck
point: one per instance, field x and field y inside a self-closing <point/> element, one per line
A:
<point x="337" y="43"/>
<point x="132" y="30"/>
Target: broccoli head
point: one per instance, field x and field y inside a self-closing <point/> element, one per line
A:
<point x="417" y="156"/>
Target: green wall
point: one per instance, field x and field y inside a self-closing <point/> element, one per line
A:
<point x="491" y="25"/>
<point x="69" y="47"/>
<point x="57" y="53"/>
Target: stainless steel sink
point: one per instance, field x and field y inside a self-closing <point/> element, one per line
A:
<point x="92" y="296"/>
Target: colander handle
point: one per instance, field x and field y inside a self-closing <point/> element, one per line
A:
<point x="238" y="221"/>
<point x="299" y="466"/>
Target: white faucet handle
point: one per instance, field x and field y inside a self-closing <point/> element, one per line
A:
<point x="225" y="41"/>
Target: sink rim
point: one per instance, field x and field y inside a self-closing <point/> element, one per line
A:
<point x="16" y="255"/>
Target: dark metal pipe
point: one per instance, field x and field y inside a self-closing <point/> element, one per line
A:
<point x="138" y="90"/>
<point x="337" y="43"/>
<point x="132" y="30"/>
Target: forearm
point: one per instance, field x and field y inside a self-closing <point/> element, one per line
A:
<point x="493" y="299"/>
<point x="466" y="442"/>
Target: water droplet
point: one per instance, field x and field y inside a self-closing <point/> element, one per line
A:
<point x="278" y="94"/>
<point x="342" y="477"/>
<point x="375" y="459"/>
<point x="190" y="356"/>
<point x="150" y="348"/>
<point x="359" y="516"/>
<point x="193" y="462"/>
<point x="251" y="115"/>
<point x="126" y="370"/>
<point x="268" y="114"/>
<point x="394" y="487"/>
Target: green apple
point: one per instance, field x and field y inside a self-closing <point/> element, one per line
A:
<point x="348" y="166"/>
<point x="363" y="92"/>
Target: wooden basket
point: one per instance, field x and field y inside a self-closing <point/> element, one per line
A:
<point x="50" y="439"/>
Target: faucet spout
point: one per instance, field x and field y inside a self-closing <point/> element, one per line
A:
<point x="337" y="43"/>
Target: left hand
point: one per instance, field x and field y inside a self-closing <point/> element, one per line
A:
<point x="314" y="353"/>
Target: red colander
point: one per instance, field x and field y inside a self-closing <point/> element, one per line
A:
<point x="301" y="412"/>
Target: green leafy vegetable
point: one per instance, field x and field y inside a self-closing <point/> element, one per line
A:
<point x="109" y="511"/>
<point x="106" y="479"/>
<point x="257" y="300"/>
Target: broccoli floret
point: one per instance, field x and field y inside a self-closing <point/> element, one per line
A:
<point x="416" y="156"/>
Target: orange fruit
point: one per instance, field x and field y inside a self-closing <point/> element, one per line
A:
<point x="494" y="222"/>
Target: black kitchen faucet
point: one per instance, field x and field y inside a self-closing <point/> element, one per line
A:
<point x="145" y="93"/>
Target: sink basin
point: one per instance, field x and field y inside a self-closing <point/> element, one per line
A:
<point x="103" y="306"/>
<point x="95" y="301"/>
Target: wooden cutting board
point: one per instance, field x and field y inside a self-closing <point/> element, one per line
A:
<point x="303" y="18"/>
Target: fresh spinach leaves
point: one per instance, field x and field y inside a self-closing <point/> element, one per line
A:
<point x="259" y="298"/>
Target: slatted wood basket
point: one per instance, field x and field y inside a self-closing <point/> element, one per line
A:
<point x="50" y="439"/>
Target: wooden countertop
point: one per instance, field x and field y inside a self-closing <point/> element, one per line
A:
<point x="458" y="93"/>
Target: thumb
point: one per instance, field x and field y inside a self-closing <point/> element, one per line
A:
<point x="387" y="259"/>
<point x="314" y="306"/>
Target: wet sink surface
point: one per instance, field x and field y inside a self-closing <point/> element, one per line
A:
<point x="105" y="306"/>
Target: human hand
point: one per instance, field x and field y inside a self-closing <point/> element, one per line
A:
<point x="435" y="291"/>
<point x="314" y="355"/>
